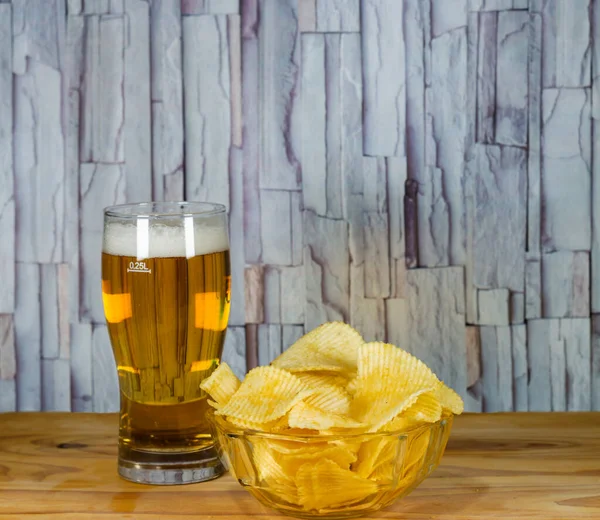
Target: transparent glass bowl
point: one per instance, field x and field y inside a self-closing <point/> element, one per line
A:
<point x="254" y="459"/>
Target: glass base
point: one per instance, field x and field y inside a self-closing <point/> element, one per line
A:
<point x="168" y="469"/>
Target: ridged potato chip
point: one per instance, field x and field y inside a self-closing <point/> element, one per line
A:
<point x="389" y="381"/>
<point x="329" y="398"/>
<point x="319" y="379"/>
<point x="331" y="347"/>
<point x="325" y="484"/>
<point x="375" y="452"/>
<point x="427" y="409"/>
<point x="267" y="463"/>
<point x="292" y="462"/>
<point x="221" y="384"/>
<point x="266" y="394"/>
<point x="303" y="415"/>
<point x="271" y="426"/>
<point x="449" y="399"/>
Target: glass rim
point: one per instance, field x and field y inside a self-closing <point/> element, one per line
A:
<point x="236" y="431"/>
<point x="135" y="210"/>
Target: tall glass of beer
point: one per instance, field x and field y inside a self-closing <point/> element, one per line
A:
<point x="166" y="293"/>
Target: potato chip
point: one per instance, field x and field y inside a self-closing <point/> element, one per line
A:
<point x="319" y="379"/>
<point x="375" y="452"/>
<point x="292" y="462"/>
<point x="331" y="347"/>
<point x="427" y="408"/>
<point x="325" y="484"/>
<point x="389" y="381"/>
<point x="331" y="399"/>
<point x="276" y="425"/>
<point x="449" y="399"/>
<point x="221" y="384"/>
<point x="266" y="394"/>
<point x="212" y="404"/>
<point x="282" y="491"/>
<point x="267" y="464"/>
<point x="303" y="415"/>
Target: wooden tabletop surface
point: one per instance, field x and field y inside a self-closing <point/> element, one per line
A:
<point x="509" y="466"/>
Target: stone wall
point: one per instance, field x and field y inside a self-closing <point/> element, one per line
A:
<point x="423" y="169"/>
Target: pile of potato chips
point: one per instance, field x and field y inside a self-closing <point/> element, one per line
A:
<point x="330" y="399"/>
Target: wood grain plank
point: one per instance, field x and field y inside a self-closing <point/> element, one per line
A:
<point x="101" y="185"/>
<point x="27" y="324"/>
<point x="497" y="452"/>
<point x="384" y="78"/>
<point x="167" y="99"/>
<point x="207" y="87"/>
<point x="7" y="193"/>
<point x="279" y="95"/>
<point x="105" y="397"/>
<point x="436" y="322"/>
<point x="81" y="367"/>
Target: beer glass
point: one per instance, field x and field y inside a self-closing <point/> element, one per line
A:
<point x="166" y="294"/>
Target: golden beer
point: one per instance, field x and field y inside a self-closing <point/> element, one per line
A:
<point x="166" y="305"/>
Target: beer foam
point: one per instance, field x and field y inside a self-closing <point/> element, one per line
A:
<point x="161" y="241"/>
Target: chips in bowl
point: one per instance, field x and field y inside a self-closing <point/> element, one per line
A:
<point x="336" y="423"/>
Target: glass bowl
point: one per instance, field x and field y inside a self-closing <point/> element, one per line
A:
<point x="295" y="473"/>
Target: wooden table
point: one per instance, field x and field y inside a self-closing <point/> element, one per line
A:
<point x="509" y="466"/>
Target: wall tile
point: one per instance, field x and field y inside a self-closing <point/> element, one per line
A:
<point x="193" y="7"/>
<point x="496" y="369"/>
<point x="279" y="95"/>
<point x="337" y="16"/>
<point x="511" y="74"/>
<point x="136" y="87"/>
<point x="486" y="76"/>
<point x="293" y="297"/>
<point x="104" y="373"/>
<point x="81" y="367"/>
<point x="28" y="335"/>
<point x="276" y="227"/>
<point x="8" y="364"/>
<point x="55" y="313"/>
<point x="234" y="350"/>
<point x="7" y="189"/>
<point x="595" y="362"/>
<point x="565" y="285"/>
<point x="566" y="220"/>
<point x="56" y="385"/>
<point x="102" y="116"/>
<point x="167" y="100"/>
<point x="269" y="343"/>
<point x="254" y="294"/>
<point x="493" y="307"/>
<point x="384" y="77"/>
<point x="520" y="370"/>
<point x="438" y="295"/>
<point x="290" y="334"/>
<point x="236" y="237"/>
<point x="367" y="315"/>
<point x="206" y="81"/>
<point x="101" y="185"/>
